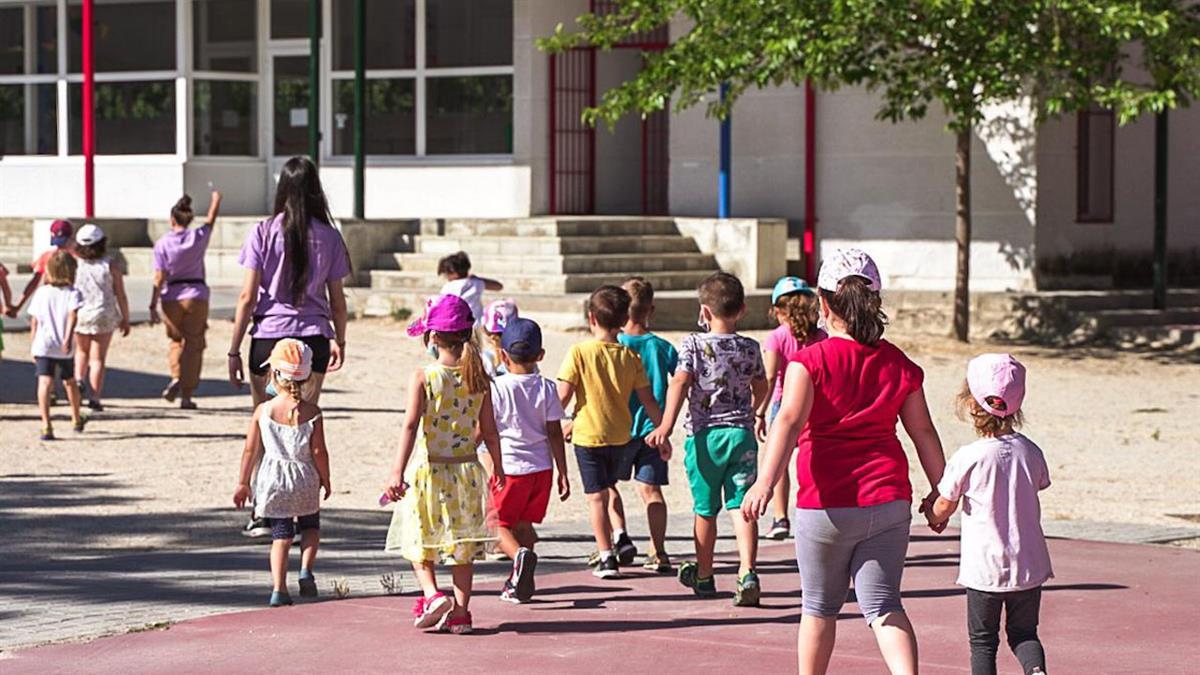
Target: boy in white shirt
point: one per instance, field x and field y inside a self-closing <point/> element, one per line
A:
<point x="52" y="318"/>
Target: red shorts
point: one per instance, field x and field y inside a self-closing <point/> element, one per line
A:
<point x="524" y="498"/>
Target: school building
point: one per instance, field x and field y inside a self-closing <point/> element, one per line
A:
<point x="466" y="118"/>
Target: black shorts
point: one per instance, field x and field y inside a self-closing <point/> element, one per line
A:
<point x="260" y="351"/>
<point x="47" y="366"/>
<point x="286" y="528"/>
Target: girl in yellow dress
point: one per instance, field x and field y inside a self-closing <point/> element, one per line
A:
<point x="437" y="480"/>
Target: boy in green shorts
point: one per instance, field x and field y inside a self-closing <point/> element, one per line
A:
<point x="721" y="373"/>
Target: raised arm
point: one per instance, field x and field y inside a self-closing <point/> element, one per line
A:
<point x="214" y="207"/>
<point x="396" y="486"/>
<point x="793" y="414"/>
<point x="490" y="284"/>
<point x="241" y="321"/>
<point x="250" y="455"/>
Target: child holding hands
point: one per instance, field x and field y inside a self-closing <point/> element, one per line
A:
<point x="441" y="486"/>
<point x="286" y="442"/>
<point x="53" y="314"/>
<point x="1004" y="559"/>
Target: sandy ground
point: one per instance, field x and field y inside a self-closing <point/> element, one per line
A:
<point x="1116" y="428"/>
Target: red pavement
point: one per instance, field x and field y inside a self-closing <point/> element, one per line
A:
<point x="1113" y="609"/>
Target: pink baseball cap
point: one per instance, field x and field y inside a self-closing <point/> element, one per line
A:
<point x="848" y="262"/>
<point x="997" y="381"/>
<point x="443" y="314"/>
<point x="291" y="359"/>
<point x="497" y="315"/>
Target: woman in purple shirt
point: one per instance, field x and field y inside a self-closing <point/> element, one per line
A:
<point x="295" y="263"/>
<point x="180" y="282"/>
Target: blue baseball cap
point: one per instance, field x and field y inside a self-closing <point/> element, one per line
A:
<point x="789" y="285"/>
<point x="522" y="338"/>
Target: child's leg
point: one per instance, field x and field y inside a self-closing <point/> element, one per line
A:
<point x="83" y="344"/>
<point x="97" y="357"/>
<point x="509" y="542"/>
<point x="280" y="546"/>
<point x="656" y="515"/>
<point x="601" y="525"/>
<point x="525" y="535"/>
<point x="426" y="577"/>
<point x="310" y="540"/>
<point x="1021" y="620"/>
<point x="74" y="397"/>
<point x="44" y="384"/>
<point x="983" y="630"/>
<point x="706" y="542"/>
<point x="747" y="542"/>
<point x="463" y="577"/>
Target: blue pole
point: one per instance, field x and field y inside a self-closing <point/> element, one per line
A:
<point x="725" y="179"/>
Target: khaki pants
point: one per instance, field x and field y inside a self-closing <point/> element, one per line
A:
<point x="186" y="322"/>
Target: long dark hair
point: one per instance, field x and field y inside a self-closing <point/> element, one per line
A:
<point x="860" y="307"/>
<point x="299" y="197"/>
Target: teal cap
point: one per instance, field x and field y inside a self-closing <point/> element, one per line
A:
<point x="789" y="285"/>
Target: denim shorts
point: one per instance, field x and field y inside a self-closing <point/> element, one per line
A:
<point x="48" y="366"/>
<point x="642" y="462"/>
<point x="599" y="467"/>
<point x="286" y="528"/>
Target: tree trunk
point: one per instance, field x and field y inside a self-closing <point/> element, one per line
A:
<point x="962" y="234"/>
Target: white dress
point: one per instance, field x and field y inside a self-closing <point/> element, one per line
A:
<point x="287" y="485"/>
<point x="99" y="313"/>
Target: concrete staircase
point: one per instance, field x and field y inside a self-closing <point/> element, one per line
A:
<point x="16" y="244"/>
<point x="550" y="265"/>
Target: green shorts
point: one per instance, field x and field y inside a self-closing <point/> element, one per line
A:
<point x="720" y="459"/>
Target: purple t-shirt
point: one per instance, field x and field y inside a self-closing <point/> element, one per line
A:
<point x="180" y="255"/>
<point x="276" y="315"/>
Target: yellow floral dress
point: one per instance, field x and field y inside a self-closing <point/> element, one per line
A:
<point x="442" y="517"/>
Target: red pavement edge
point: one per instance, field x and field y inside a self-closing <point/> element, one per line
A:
<point x="1112" y="608"/>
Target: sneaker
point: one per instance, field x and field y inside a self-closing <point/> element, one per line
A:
<point x="607" y="568"/>
<point x="257" y="527"/>
<point x="780" y="529"/>
<point x="47" y="434"/>
<point x="509" y="593"/>
<point x="171" y="392"/>
<point x="459" y="625"/>
<point x="748" y="591"/>
<point x="593" y="559"/>
<point x="280" y="599"/>
<point x="523" y="569"/>
<point x="705" y="587"/>
<point x="427" y="612"/>
<point x="93" y="404"/>
<point x="657" y="562"/>
<point x="308" y="586"/>
<point x="626" y="551"/>
<point x="80" y="424"/>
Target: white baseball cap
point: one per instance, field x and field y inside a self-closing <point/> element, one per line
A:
<point x="848" y="262"/>
<point x="89" y="234"/>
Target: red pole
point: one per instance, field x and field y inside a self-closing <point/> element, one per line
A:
<point x="810" y="184"/>
<point x="89" y="120"/>
<point x="553" y="163"/>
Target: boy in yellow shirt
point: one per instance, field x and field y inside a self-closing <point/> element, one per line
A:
<point x="601" y="375"/>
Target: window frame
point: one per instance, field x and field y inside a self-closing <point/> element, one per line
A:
<point x="28" y="26"/>
<point x="420" y="74"/>
<point x="1083" y="212"/>
<point x="262" y="34"/>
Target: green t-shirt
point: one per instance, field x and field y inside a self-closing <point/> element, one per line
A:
<point x="659" y="358"/>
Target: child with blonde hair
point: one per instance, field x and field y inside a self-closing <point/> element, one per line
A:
<point x="53" y="314"/>
<point x="796" y="310"/>
<point x="1004" y="559"/>
<point x="286" y="441"/>
<point x="437" y="479"/>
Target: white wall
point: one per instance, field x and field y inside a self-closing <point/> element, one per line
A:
<point x="619" y="150"/>
<point x="126" y="186"/>
<point x="243" y="185"/>
<point x="500" y="191"/>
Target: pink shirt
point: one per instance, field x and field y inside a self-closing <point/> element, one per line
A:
<point x="848" y="453"/>
<point x="998" y="479"/>
<point x="783" y="342"/>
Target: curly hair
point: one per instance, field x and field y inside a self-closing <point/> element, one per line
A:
<point x="986" y="424"/>
<point x="800" y="311"/>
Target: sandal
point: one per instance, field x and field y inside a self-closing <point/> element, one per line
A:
<point x="47" y="434"/>
<point x="81" y="423"/>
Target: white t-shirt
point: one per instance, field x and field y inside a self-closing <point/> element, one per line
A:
<point x="1003" y="547"/>
<point x="470" y="290"/>
<point x="51" y="306"/>
<point x="523" y="404"/>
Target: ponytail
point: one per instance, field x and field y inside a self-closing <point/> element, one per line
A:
<point x="182" y="213"/>
<point x="463" y="345"/>
<point x="292" y="389"/>
<point x="860" y="308"/>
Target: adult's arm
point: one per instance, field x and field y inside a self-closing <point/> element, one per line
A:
<point x="793" y="414"/>
<point x="214" y="207"/>
<point x="241" y="322"/>
<point x="340" y="316"/>
<point x="914" y="415"/>
<point x="160" y="277"/>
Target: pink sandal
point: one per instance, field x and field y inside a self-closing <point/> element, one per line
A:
<point x="459" y="625"/>
<point x="427" y="612"/>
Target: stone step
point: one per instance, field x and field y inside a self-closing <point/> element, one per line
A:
<point x="1114" y="318"/>
<point x="554" y="227"/>
<point x="219" y="263"/>
<point x="630" y="264"/>
<point x="229" y="232"/>
<point x="1184" y="337"/>
<point x="538" y="245"/>
<point x="546" y="283"/>
<point x="1095" y="301"/>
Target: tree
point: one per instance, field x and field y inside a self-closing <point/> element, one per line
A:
<point x="1132" y="57"/>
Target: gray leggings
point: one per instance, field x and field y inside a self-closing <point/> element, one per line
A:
<point x="867" y="544"/>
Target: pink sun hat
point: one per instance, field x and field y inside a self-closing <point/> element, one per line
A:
<point x="443" y="314"/>
<point x="848" y="262"/>
<point x="997" y="382"/>
<point x="497" y="315"/>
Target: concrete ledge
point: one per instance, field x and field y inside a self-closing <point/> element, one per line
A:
<point x="752" y="249"/>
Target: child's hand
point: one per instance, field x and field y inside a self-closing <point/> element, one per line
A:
<point x="665" y="450"/>
<point x="760" y="428"/>
<point x="11" y="312"/>
<point x="325" y="486"/>
<point x="66" y="348"/>
<point x="124" y="327"/>
<point x="657" y="438"/>
<point x="241" y="495"/>
<point x="396" y="487"/>
<point x="567" y="427"/>
<point x="756" y="501"/>
<point x="153" y="315"/>
<point x="564" y="487"/>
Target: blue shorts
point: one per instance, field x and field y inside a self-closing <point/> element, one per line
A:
<point x="47" y="366"/>
<point x="643" y="462"/>
<point x="599" y="467"/>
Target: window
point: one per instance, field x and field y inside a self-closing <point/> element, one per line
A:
<point x="226" y="85"/>
<point x="32" y="54"/>
<point x="1094" y="166"/>
<point x="225" y="118"/>
<point x="224" y="36"/>
<point x="132" y="118"/>
<point x="459" y="90"/>
<point x="28" y="67"/>
<point x="28" y="119"/>
<point x="127" y="36"/>
<point x="289" y="19"/>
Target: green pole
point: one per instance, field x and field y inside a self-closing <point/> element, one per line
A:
<point x="314" y="80"/>
<point x="1160" y="210"/>
<point x="360" y="106"/>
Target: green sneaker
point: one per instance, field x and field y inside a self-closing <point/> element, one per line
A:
<point x="748" y="591"/>
<point x="703" y="587"/>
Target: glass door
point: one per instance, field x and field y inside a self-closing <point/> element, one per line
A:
<point x="289" y="111"/>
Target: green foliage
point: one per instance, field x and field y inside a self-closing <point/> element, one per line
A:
<point x="1132" y="57"/>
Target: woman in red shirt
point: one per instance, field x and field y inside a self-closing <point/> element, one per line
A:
<point x="842" y="398"/>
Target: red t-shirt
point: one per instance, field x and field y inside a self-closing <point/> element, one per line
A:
<point x="849" y="454"/>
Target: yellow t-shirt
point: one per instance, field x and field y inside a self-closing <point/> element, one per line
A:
<point x="605" y="375"/>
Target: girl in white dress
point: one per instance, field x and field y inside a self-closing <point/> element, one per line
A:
<point x="286" y="442"/>
<point x="105" y="309"/>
